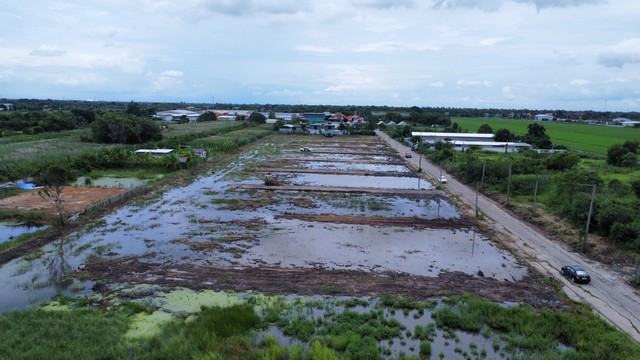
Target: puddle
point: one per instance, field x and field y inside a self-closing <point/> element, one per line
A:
<point x="10" y="232"/>
<point x="367" y="205"/>
<point x="347" y="157"/>
<point x="29" y="280"/>
<point x="353" y="166"/>
<point x="110" y="182"/>
<point x="368" y="248"/>
<point x="357" y="181"/>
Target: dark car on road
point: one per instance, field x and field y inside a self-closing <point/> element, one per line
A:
<point x="576" y="273"/>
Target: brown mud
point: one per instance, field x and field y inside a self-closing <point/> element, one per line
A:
<point x="304" y="281"/>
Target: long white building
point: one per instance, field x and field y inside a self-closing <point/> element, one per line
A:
<point x="464" y="141"/>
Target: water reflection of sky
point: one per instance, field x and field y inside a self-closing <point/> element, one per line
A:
<point x="198" y="222"/>
<point x="9" y="232"/>
<point x="359" y="181"/>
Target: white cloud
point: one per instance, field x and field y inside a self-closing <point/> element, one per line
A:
<point x="464" y="83"/>
<point x="507" y="93"/>
<point x="46" y="50"/>
<point x="616" y="81"/>
<point x="579" y="82"/>
<point x="81" y="80"/>
<point x="315" y="49"/>
<point x="167" y="79"/>
<point x="493" y="5"/>
<point x="246" y="7"/>
<point x="492" y="52"/>
<point x="386" y="47"/>
<point x="386" y="4"/>
<point x="625" y="52"/>
<point x="492" y="41"/>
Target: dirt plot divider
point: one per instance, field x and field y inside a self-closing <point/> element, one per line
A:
<point x="345" y="161"/>
<point x="337" y="172"/>
<point x="334" y="189"/>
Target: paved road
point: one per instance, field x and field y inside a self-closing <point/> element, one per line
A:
<point x="607" y="293"/>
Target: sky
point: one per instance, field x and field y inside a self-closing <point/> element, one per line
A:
<point x="508" y="54"/>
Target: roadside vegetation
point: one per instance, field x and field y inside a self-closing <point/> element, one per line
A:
<point x="560" y="183"/>
<point x="388" y="327"/>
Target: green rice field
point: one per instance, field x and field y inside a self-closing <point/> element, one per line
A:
<point x="582" y="137"/>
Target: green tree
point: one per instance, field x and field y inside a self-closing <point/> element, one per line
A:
<point x="631" y="146"/>
<point x="610" y="212"/>
<point x="53" y="180"/>
<point x="113" y="127"/>
<point x="537" y="136"/>
<point x="562" y="161"/>
<point x="635" y="187"/>
<point x="257" y="118"/>
<point x="133" y="109"/>
<point x="485" y="129"/>
<point x="629" y="160"/>
<point x="207" y="116"/>
<point x="615" y="153"/>
<point x="504" y="135"/>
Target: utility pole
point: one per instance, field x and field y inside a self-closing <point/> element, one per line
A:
<point x="484" y="167"/>
<point x="477" y="193"/>
<point x="586" y="231"/>
<point x="535" y="196"/>
<point x="509" y="183"/>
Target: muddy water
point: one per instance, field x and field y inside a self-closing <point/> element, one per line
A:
<point x="352" y="166"/>
<point x="111" y="182"/>
<point x="368" y="248"/>
<point x="209" y="222"/>
<point x="358" y="181"/>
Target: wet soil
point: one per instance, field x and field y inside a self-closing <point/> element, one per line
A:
<point x="415" y="222"/>
<point x="313" y="280"/>
<point x="304" y="281"/>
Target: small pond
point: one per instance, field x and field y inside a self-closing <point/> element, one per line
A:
<point x="111" y="182"/>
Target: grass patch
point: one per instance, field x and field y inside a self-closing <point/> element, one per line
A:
<point x="69" y="334"/>
<point x="540" y="331"/>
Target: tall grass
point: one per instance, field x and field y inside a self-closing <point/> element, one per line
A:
<point x="227" y="333"/>
<point x="541" y="331"/>
<point x="74" y="334"/>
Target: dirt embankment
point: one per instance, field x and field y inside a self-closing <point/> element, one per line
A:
<point x="307" y="281"/>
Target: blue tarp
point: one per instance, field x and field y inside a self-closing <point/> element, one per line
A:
<point x="26" y="186"/>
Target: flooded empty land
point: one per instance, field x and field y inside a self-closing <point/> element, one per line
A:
<point x="336" y="232"/>
<point x="345" y="218"/>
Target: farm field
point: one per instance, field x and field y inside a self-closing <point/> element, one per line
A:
<point x="326" y="243"/>
<point x="581" y="137"/>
